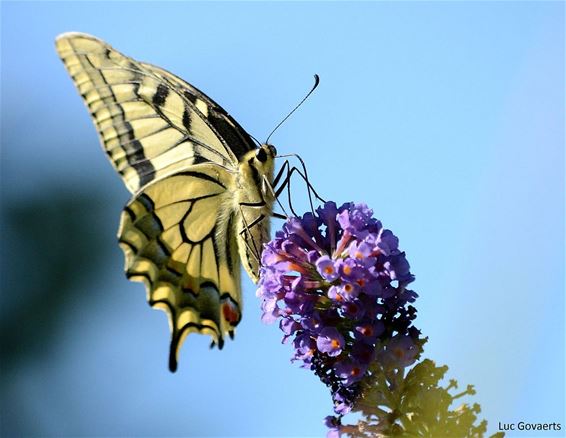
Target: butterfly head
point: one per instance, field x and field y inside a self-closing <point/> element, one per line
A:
<point x="256" y="167"/>
<point x="260" y="160"/>
<point x="265" y="153"/>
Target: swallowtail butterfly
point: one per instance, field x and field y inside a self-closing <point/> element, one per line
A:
<point x="201" y="188"/>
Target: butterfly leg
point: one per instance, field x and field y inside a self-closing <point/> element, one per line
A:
<point x="286" y="183"/>
<point x="303" y="175"/>
<point x="270" y="188"/>
<point x="254" y="251"/>
<point x="284" y="168"/>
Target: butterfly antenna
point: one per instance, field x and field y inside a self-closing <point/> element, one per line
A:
<point x="316" y="82"/>
<point x="255" y="139"/>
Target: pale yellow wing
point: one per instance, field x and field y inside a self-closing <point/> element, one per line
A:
<point x="151" y="123"/>
<point x="178" y="238"/>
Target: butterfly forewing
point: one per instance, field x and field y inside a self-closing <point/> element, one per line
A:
<point x="149" y="123"/>
<point x="183" y="157"/>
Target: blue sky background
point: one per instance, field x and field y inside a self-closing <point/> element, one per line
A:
<point x="447" y="118"/>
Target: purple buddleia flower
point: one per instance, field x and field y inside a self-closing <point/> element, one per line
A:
<point x="312" y="323"/>
<point x="349" y="290"/>
<point x="337" y="281"/>
<point x="400" y="352"/>
<point x="387" y="242"/>
<point x="333" y="424"/>
<point x="326" y="268"/>
<point x="350" y="371"/>
<point x="288" y="326"/>
<point x="363" y="352"/>
<point x="352" y="310"/>
<point x="270" y="310"/>
<point x="342" y="402"/>
<point x="369" y="331"/>
<point x="305" y="347"/>
<point x="330" y="341"/>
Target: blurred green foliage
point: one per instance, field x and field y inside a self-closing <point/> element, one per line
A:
<point x="50" y="244"/>
<point x="415" y="405"/>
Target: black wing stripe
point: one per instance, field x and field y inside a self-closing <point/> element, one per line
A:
<point x="240" y="141"/>
<point x="144" y="169"/>
<point x="146" y="201"/>
<point x="203" y="176"/>
<point x="187" y="119"/>
<point x="226" y="131"/>
<point x="160" y="95"/>
<point x="179" y="332"/>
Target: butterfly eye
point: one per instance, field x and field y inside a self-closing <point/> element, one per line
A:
<point x="261" y="155"/>
<point x="272" y="150"/>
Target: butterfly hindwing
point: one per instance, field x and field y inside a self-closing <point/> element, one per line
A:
<point x="173" y="235"/>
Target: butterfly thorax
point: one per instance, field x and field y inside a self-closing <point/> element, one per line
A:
<point x="254" y="201"/>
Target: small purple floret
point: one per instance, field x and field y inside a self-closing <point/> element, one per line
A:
<point x="326" y="269"/>
<point x="350" y="371"/>
<point x="333" y="424"/>
<point x="330" y="341"/>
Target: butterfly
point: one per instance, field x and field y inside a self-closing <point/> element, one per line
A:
<point x="202" y="195"/>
